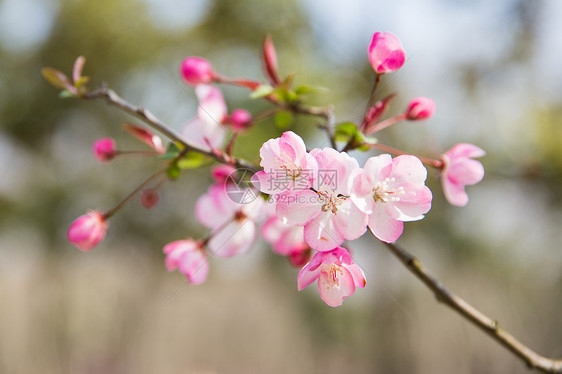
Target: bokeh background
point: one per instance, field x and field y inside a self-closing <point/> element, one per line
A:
<point x="494" y="70"/>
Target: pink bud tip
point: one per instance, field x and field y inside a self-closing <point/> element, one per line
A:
<point x="104" y="149"/>
<point x="420" y="108"/>
<point x="149" y="198"/>
<point x="221" y="173"/>
<point x="386" y="53"/>
<point x="196" y="70"/>
<point x="240" y="119"/>
<point x="87" y="230"/>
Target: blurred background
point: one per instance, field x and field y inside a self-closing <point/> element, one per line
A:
<point x="494" y="71"/>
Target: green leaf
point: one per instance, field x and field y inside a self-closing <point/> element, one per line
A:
<point x="346" y="131"/>
<point x="283" y="119"/>
<point x="261" y="91"/>
<point x="65" y="94"/>
<point x="55" y="78"/>
<point x="80" y="82"/>
<point x="193" y="160"/>
<point x="171" y="152"/>
<point x="173" y="171"/>
<point x="303" y="90"/>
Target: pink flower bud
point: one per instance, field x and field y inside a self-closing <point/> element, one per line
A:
<point x="104" y="149"/>
<point x="386" y="53"/>
<point x="221" y="173"/>
<point x="240" y="119"/>
<point x="87" y="230"/>
<point x="149" y="198"/>
<point x="269" y="61"/>
<point x="196" y="70"/>
<point x="149" y="138"/>
<point x="420" y="108"/>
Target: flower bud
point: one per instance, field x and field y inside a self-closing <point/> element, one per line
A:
<point x="87" y="230"/>
<point x="222" y="173"/>
<point x="420" y="108"/>
<point x="240" y="119"/>
<point x="196" y="70"/>
<point x="149" y="198"/>
<point x="386" y="53"/>
<point x="104" y="149"/>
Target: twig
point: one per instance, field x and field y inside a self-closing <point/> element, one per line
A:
<point x="485" y="323"/>
<point x="112" y="98"/>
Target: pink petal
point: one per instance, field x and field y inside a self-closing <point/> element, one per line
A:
<point x="454" y="192"/>
<point x="203" y="133"/>
<point x="357" y="274"/>
<point x="378" y="168"/>
<point x="321" y="234"/>
<point x="350" y="221"/>
<point x="465" y="150"/>
<point x="233" y="239"/>
<point x="407" y="168"/>
<point x="291" y="241"/>
<point x="334" y="294"/>
<point x="383" y="226"/>
<point x="147" y="137"/>
<point x="309" y="272"/>
<point x="297" y="208"/>
<point x="195" y="266"/>
<point x="414" y="203"/>
<point x="465" y="172"/>
<point x="212" y="108"/>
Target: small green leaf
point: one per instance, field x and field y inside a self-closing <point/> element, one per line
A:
<point x="193" y="160"/>
<point x="261" y="91"/>
<point x="346" y="131"/>
<point x="172" y="151"/>
<point x="80" y="82"/>
<point x="173" y="171"/>
<point x="55" y="78"/>
<point x="303" y="90"/>
<point x="283" y="119"/>
<point x="65" y="94"/>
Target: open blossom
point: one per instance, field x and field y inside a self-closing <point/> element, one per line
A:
<point x="189" y="257"/>
<point x="386" y="53"/>
<point x="104" y="149"/>
<point x="233" y="225"/>
<point x="420" y="108"/>
<point x="337" y="275"/>
<point x="286" y="165"/>
<point x="87" y="231"/>
<point x="391" y="191"/>
<point x="206" y="129"/>
<point x="327" y="213"/>
<point x="460" y="170"/>
<point x="197" y="70"/>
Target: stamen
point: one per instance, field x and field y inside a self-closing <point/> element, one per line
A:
<point x="385" y="193"/>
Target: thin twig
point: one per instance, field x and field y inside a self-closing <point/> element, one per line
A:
<point x="479" y="319"/>
<point x="112" y="98"/>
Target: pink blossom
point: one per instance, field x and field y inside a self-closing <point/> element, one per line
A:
<point x="197" y="70"/>
<point x="391" y="191"/>
<point x="104" y="149"/>
<point x="149" y="198"/>
<point x="189" y="257"/>
<point x="87" y="231"/>
<point x="206" y="129"/>
<point x="460" y="170"/>
<point x="233" y="225"/>
<point x="221" y="173"/>
<point x="327" y="213"/>
<point x="386" y="53"/>
<point x="240" y="119"/>
<point x="284" y="238"/>
<point x="336" y="273"/>
<point x="420" y="108"/>
<point x="147" y="137"/>
<point x="287" y="165"/>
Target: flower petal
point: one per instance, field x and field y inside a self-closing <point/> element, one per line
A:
<point x="332" y="293"/>
<point x="297" y="208"/>
<point x="321" y="234"/>
<point x="350" y="221"/>
<point x="383" y="226"/>
<point x="235" y="238"/>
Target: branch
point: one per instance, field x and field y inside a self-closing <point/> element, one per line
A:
<point x="485" y="323"/>
<point x="326" y="113"/>
<point x="112" y="98"/>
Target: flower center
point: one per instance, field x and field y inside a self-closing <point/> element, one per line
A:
<point x="334" y="272"/>
<point x="384" y="192"/>
<point x="291" y="169"/>
<point x="330" y="199"/>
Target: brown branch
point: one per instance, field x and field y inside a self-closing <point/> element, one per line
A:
<point x="485" y="323"/>
<point x="326" y="113"/>
<point x="112" y="98"/>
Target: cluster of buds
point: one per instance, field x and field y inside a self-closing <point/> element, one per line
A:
<point x="308" y="204"/>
